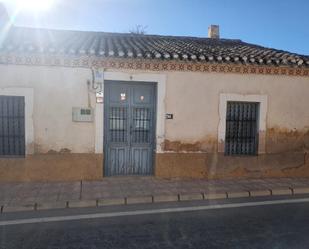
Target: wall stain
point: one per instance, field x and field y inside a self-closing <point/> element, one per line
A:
<point x="52" y="167"/>
<point x="61" y="151"/>
<point x="209" y="144"/>
<point x="280" y="139"/>
<point x="65" y="150"/>
<point x="37" y="148"/>
<point x="52" y="152"/>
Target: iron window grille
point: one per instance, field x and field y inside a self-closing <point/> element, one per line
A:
<point x="241" y="137"/>
<point x="12" y="126"/>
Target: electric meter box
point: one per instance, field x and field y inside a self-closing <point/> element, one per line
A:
<point x="81" y="114"/>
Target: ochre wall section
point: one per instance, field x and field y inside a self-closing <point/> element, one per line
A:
<point x="75" y="167"/>
<point x="52" y="167"/>
<point x="219" y="166"/>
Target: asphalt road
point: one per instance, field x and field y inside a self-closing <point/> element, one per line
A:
<point x="272" y="226"/>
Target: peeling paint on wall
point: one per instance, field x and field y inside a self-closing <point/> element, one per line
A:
<point x="209" y="144"/>
<point x="279" y="139"/>
<point x="219" y="166"/>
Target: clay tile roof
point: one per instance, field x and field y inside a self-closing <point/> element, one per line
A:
<point x="126" y="45"/>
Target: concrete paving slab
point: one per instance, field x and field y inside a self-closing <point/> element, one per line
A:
<point x="111" y="191"/>
<point x="22" y="201"/>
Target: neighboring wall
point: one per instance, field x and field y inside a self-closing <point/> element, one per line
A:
<point x="65" y="149"/>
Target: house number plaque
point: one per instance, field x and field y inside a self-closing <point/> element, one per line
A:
<point x="169" y="116"/>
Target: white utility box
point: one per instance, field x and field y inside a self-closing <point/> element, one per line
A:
<point x="82" y="114"/>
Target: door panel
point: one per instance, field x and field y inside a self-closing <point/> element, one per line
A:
<point x="119" y="94"/>
<point x="141" y="131"/>
<point x="118" y="124"/>
<point x="142" y="95"/>
<point x="117" y="161"/>
<point x="140" y="158"/>
<point x="129" y="128"/>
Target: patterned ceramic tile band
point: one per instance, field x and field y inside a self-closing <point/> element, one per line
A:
<point x="147" y="65"/>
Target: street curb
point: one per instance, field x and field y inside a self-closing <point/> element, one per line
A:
<point x="110" y="202"/>
<point x="165" y="198"/>
<point x="240" y="194"/>
<point x="5" y="208"/>
<point x="300" y="190"/>
<point x="139" y="199"/>
<point x="191" y="197"/>
<point x="257" y="193"/>
<point x="82" y="203"/>
<point x="282" y="191"/>
<point x="22" y="208"/>
<point x="215" y="196"/>
<point x="50" y="205"/>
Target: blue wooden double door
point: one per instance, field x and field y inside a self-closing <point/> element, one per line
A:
<point x="129" y="128"/>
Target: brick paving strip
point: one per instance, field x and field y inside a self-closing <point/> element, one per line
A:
<point x="136" y="190"/>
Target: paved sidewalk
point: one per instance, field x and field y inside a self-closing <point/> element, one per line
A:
<point x="129" y="190"/>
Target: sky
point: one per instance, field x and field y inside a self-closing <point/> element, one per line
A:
<point x="281" y="24"/>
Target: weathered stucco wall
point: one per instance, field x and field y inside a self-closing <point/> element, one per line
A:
<point x="64" y="150"/>
<point x="52" y="167"/>
<point x="194" y="100"/>
<point x="56" y="91"/>
<point x="219" y="166"/>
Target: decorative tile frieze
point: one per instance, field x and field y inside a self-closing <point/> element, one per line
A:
<point x="147" y="65"/>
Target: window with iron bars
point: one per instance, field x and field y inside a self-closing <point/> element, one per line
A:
<point x="241" y="137"/>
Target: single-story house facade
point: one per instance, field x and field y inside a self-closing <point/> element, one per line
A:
<point x="78" y="105"/>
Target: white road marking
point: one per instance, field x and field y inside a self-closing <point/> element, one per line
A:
<point x="152" y="211"/>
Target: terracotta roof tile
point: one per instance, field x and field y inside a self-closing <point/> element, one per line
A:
<point x="126" y="45"/>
